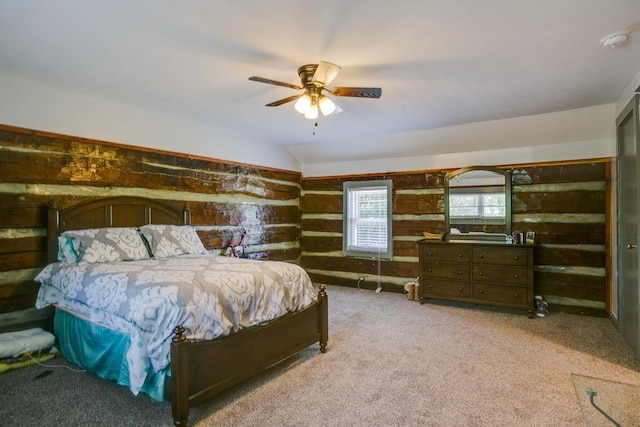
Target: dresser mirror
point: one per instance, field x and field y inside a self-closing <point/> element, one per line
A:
<point x="477" y="204"/>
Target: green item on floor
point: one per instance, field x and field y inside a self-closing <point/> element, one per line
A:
<point x="25" y="359"/>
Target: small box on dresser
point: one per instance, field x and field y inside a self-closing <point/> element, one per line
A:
<point x="489" y="273"/>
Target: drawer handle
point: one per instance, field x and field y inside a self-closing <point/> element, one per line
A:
<point x="460" y="254"/>
<point x="430" y="253"/>
<point x="482" y="273"/>
<point x="481" y="255"/>
<point x="430" y="270"/>
<point x="460" y="289"/>
<point x="459" y="271"/>
<point x="516" y="257"/>
<point x="516" y="295"/>
<point x="431" y="286"/>
<point x="517" y="276"/>
<point x="482" y="291"/>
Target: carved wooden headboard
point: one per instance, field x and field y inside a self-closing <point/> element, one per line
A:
<point x="110" y="212"/>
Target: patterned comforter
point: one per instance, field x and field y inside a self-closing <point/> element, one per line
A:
<point x="210" y="296"/>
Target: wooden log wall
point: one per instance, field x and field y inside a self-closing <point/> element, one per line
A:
<point x="564" y="204"/>
<point x="226" y="200"/>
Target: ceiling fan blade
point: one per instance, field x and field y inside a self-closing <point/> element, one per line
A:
<point x="325" y="73"/>
<point x="361" y="92"/>
<point x="283" y="101"/>
<point x="274" y="82"/>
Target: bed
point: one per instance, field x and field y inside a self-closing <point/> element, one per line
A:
<point x="204" y="355"/>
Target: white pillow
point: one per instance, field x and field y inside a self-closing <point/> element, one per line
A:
<point x="172" y="240"/>
<point x="13" y="344"/>
<point x="96" y="245"/>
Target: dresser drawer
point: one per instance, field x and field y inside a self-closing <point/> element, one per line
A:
<point x="450" y="253"/>
<point x="444" y="289"/>
<point x="436" y="270"/>
<point x="483" y="273"/>
<point x="502" y="275"/>
<point x="511" y="295"/>
<point x="500" y="256"/>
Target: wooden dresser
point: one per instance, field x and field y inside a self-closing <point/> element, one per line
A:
<point x="491" y="273"/>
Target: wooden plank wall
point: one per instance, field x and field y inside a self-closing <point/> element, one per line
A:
<point x="564" y="204"/>
<point x="225" y="199"/>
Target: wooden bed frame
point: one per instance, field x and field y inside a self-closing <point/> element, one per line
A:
<point x="200" y="369"/>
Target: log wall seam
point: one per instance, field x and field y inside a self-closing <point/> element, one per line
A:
<point x="577" y="246"/>
<point x="112" y="191"/>
<point x="566" y="269"/>
<point x="258" y="248"/>
<point x="560" y="218"/>
<point x="19" y="233"/>
<point x="320" y="192"/>
<point x="333" y="217"/>
<point x="218" y="173"/>
<point x="337" y="254"/>
<point x="552" y="299"/>
<point x="560" y="187"/>
<point x="321" y="234"/>
<point x="14" y="276"/>
<point x="407" y="238"/>
<point x="233" y="227"/>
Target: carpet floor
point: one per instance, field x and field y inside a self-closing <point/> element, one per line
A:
<point x="390" y="362"/>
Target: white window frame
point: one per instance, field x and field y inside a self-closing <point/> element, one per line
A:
<point x="349" y="245"/>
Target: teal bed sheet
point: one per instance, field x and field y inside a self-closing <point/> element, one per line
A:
<point x="101" y="351"/>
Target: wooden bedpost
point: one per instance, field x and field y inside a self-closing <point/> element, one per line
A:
<point x="324" y="318"/>
<point x="179" y="378"/>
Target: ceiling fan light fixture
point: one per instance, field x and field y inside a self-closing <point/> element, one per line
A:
<point x="303" y="103"/>
<point x="312" y="112"/>
<point x="326" y="105"/>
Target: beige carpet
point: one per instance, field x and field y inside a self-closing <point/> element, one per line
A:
<point x="393" y="362"/>
<point x="390" y="362"/>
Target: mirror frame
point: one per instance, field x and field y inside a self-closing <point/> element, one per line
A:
<point x="507" y="198"/>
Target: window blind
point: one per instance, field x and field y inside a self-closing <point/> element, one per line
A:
<point x="368" y="219"/>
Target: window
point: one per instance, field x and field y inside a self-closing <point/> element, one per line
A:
<point x="479" y="205"/>
<point x="367" y="219"/>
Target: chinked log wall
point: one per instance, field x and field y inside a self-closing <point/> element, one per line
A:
<point x="564" y="204"/>
<point x="225" y="200"/>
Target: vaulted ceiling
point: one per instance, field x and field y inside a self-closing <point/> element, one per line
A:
<point x="439" y="63"/>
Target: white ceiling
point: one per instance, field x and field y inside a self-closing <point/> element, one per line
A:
<point x="439" y="62"/>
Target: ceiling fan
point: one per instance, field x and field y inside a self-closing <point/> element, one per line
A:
<point x="314" y="79"/>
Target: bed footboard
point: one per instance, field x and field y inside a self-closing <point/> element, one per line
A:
<point x="202" y="369"/>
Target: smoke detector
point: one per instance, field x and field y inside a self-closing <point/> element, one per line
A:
<point x="615" y="39"/>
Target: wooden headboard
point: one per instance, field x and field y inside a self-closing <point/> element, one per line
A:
<point x="109" y="212"/>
